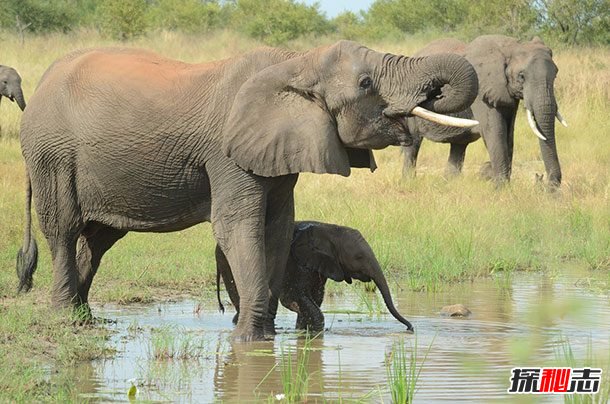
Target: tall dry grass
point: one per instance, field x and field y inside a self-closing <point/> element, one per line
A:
<point x="427" y="230"/>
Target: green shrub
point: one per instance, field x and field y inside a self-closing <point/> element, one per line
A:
<point x="122" y="19"/>
<point x="41" y="15"/>
<point x="278" y="21"/>
<point x="185" y="15"/>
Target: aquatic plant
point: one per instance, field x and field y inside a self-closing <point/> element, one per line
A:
<point x="169" y="343"/>
<point x="402" y="370"/>
<point x="564" y="354"/>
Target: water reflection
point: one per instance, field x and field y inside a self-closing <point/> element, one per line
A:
<point x="515" y="322"/>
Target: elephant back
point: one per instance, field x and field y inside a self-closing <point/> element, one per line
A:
<point x="446" y="45"/>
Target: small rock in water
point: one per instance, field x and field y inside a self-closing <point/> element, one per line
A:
<point x="455" y="310"/>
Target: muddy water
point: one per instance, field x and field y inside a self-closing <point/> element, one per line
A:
<point x="517" y="321"/>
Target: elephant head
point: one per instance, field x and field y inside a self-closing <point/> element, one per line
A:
<point x="510" y="71"/>
<point x="324" y="110"/>
<point x="10" y="86"/>
<point x="341" y="254"/>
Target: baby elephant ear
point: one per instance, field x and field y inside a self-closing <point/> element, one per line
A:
<point x="279" y="124"/>
<point x="313" y="251"/>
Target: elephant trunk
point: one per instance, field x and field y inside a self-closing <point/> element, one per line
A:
<point x="384" y="289"/>
<point x="451" y="84"/>
<point x="542" y="107"/>
<point x="18" y="95"/>
<point x="14" y="93"/>
<point x="452" y="80"/>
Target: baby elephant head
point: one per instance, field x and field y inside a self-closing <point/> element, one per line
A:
<point x="341" y="254"/>
<point x="10" y="86"/>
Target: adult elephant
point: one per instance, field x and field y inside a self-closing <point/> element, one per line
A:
<point x="10" y="86"/>
<point x="119" y="140"/>
<point x="509" y="71"/>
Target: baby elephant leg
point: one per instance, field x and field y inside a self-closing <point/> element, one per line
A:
<point x="309" y="316"/>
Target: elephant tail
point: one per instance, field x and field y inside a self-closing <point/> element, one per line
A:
<point x="27" y="257"/>
<point x="221" y="308"/>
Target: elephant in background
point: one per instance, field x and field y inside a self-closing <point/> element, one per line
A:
<point x="118" y="140"/>
<point x="10" y="86"/>
<point x="318" y="252"/>
<point x="509" y="71"/>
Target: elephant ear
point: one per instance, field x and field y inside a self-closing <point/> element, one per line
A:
<point x="279" y="124"/>
<point x="490" y="64"/>
<point x="361" y="158"/>
<point x="313" y="251"/>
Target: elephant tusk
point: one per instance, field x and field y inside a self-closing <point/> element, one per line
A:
<point x="560" y="119"/>
<point x="443" y="119"/>
<point x="532" y="122"/>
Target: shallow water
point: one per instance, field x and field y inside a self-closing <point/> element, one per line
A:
<point x="517" y="321"/>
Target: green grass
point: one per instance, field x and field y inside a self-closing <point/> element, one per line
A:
<point x="30" y="336"/>
<point x="167" y="343"/>
<point x="427" y="232"/>
<point x="403" y="370"/>
<point x="565" y="357"/>
<point x="294" y="374"/>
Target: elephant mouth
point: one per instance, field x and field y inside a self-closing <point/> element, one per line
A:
<point x="404" y="138"/>
<point x="400" y="116"/>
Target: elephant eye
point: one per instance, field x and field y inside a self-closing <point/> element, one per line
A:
<point x="521" y="76"/>
<point x="365" y="82"/>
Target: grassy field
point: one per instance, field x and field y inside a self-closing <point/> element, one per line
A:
<point x="426" y="231"/>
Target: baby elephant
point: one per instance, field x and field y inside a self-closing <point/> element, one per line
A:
<point x="10" y="86"/>
<point x="319" y="251"/>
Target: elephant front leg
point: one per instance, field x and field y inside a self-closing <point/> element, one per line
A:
<point x="410" y="157"/>
<point x="244" y="248"/>
<point x="494" y="132"/>
<point x="310" y="316"/>
<point x="278" y="236"/>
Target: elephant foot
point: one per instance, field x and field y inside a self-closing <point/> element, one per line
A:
<point x="81" y="314"/>
<point x="409" y="173"/>
<point x="269" y="331"/>
<point x="250" y="336"/>
<point x="248" y="331"/>
<point x="485" y="172"/>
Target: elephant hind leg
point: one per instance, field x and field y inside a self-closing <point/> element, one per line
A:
<point x="455" y="163"/>
<point x="65" y="278"/>
<point x="93" y="242"/>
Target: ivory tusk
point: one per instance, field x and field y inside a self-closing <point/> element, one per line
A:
<point x="443" y="119"/>
<point x="532" y="122"/>
<point x="560" y="119"/>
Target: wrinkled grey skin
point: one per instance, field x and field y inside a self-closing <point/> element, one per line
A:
<point x="119" y="140"/>
<point x="10" y="86"/>
<point x="509" y="72"/>
<point x="318" y="251"/>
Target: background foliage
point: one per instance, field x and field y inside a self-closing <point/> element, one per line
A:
<point x="274" y="22"/>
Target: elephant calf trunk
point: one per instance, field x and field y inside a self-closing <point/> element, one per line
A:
<point x="384" y="289"/>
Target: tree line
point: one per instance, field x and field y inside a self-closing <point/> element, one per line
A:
<point x="274" y="22"/>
